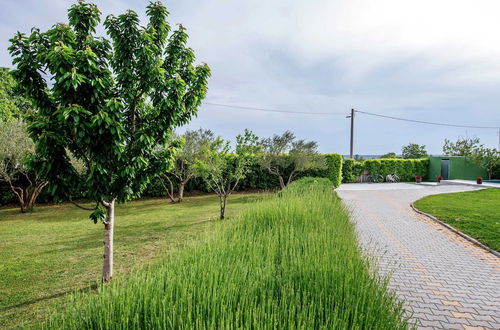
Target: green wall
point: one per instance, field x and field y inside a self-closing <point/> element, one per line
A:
<point x="459" y="168"/>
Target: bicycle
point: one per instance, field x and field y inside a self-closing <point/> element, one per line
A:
<point x="393" y="178"/>
<point x="375" y="178"/>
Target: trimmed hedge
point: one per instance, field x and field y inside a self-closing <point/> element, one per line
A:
<point x="257" y="178"/>
<point x="406" y="169"/>
<point x="260" y="178"/>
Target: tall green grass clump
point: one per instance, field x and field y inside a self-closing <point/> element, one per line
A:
<point x="291" y="262"/>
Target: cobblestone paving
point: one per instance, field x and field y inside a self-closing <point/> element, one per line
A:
<point x="445" y="281"/>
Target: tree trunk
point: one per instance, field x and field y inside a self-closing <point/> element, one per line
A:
<point x="223" y="202"/>
<point x="169" y="189"/>
<point x="107" y="266"/>
<point x="181" y="191"/>
<point x="33" y="195"/>
<point x="27" y="196"/>
<point x="282" y="182"/>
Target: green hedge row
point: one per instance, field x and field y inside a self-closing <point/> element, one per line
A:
<point x="406" y="169"/>
<point x="260" y="178"/>
<point x="257" y="178"/>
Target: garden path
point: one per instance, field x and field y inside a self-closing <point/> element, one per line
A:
<point x="445" y="281"/>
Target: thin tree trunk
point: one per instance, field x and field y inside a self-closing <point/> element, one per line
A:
<point x="169" y="189"/>
<point x="27" y="196"/>
<point x="282" y="182"/>
<point x="107" y="266"/>
<point x="223" y="202"/>
<point x="33" y="195"/>
<point x="19" y="192"/>
<point x="182" y="184"/>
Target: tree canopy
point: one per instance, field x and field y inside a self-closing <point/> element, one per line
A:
<point x="414" y="151"/>
<point x="389" y="155"/>
<point x="487" y="158"/>
<point x="12" y="104"/>
<point x="17" y="154"/>
<point x="285" y="157"/>
<point x="192" y="150"/>
<point x="463" y="146"/>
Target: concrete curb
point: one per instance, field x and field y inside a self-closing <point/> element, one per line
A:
<point x="456" y="231"/>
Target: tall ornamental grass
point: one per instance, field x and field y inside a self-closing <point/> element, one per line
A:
<point x="291" y="262"/>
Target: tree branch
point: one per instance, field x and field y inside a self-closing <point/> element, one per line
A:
<point x="83" y="207"/>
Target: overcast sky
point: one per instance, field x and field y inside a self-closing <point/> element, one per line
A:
<point x="426" y="60"/>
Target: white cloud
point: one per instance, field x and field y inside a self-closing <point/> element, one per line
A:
<point x="439" y="59"/>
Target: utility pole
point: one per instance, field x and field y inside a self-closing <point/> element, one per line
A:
<point x="351" y="154"/>
<point x="498" y="150"/>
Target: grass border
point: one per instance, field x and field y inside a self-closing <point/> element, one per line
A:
<point x="456" y="231"/>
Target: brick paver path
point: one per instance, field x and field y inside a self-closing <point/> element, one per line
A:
<point x="445" y="281"/>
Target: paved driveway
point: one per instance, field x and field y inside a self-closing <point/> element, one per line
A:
<point x="445" y="281"/>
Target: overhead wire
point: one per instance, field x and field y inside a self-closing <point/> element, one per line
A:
<point x="345" y="114"/>
<point x="426" y="122"/>
<point x="274" y="110"/>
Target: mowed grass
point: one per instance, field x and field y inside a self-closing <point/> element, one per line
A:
<point x="475" y="213"/>
<point x="290" y="262"/>
<point x="49" y="253"/>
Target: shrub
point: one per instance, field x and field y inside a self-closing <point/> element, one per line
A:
<point x="291" y="262"/>
<point x="334" y="168"/>
<point x="496" y="172"/>
<point x="351" y="170"/>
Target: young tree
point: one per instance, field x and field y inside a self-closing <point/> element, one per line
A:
<point x="186" y="158"/>
<point x="462" y="147"/>
<point x="222" y="167"/>
<point x="16" y="155"/>
<point x="109" y="105"/>
<point x="285" y="157"/>
<point x="486" y="158"/>
<point x="414" y="151"/>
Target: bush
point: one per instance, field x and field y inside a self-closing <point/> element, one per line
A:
<point x="496" y="172"/>
<point x="334" y="168"/>
<point x="351" y="170"/>
<point x="290" y="262"/>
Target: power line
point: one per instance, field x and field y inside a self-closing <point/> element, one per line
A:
<point x="274" y="110"/>
<point x="426" y="122"/>
<point x="343" y="114"/>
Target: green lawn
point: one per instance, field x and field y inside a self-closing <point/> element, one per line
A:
<point x="475" y="213"/>
<point x="56" y="249"/>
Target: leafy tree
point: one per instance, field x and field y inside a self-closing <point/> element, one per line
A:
<point x="16" y="155"/>
<point x="222" y="168"/>
<point x="462" y="147"/>
<point x="112" y="105"/>
<point x="186" y="159"/>
<point x="12" y="104"/>
<point x="286" y="157"/>
<point x="486" y="158"/>
<point x="389" y="155"/>
<point x="414" y="151"/>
